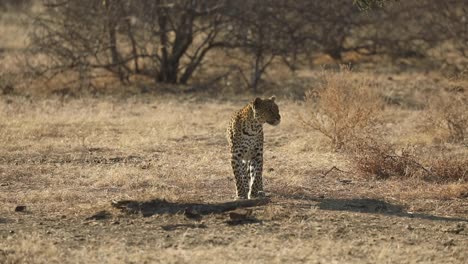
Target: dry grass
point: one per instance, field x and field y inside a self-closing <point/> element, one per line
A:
<point x="66" y="155"/>
<point x="66" y="159"/>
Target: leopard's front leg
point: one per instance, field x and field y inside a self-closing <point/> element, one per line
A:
<point x="256" y="181"/>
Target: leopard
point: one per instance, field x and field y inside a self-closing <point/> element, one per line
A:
<point x="245" y="138"/>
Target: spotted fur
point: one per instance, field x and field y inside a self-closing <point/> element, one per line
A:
<point x="245" y="137"/>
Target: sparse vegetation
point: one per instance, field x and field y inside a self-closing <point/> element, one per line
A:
<point x="448" y="168"/>
<point x="176" y="41"/>
<point x="121" y="157"/>
<point x="448" y="113"/>
<point x="341" y="107"/>
<point x="377" y="158"/>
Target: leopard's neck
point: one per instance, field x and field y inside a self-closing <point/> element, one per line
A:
<point x="251" y="125"/>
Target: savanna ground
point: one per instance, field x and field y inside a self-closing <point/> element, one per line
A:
<point x="68" y="158"/>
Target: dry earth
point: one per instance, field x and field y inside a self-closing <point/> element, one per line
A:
<point x="66" y="160"/>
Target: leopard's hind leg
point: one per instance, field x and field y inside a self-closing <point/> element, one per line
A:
<point x="239" y="168"/>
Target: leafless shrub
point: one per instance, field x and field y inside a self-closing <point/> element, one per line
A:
<point x="378" y="158"/>
<point x="448" y="112"/>
<point x="449" y="23"/>
<point x="14" y="5"/>
<point x="264" y="31"/>
<point x="448" y="168"/>
<point x="162" y="40"/>
<point x="341" y="107"/>
<point x="168" y="40"/>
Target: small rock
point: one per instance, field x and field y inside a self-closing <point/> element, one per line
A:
<point x="449" y="243"/>
<point x="116" y="223"/>
<point x="145" y="166"/>
<point x="20" y="208"/>
<point x="192" y="214"/>
<point x="11" y="232"/>
<point x="409" y="227"/>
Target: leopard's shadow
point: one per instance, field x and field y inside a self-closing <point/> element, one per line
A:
<point x="161" y="206"/>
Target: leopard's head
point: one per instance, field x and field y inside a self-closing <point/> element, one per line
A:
<point x="266" y="110"/>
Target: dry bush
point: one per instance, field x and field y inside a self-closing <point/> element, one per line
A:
<point x="448" y="168"/>
<point x="14" y="5"/>
<point x="342" y="107"/>
<point x="448" y="115"/>
<point x="454" y="190"/>
<point x="382" y="160"/>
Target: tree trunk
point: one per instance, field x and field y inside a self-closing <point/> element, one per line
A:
<point x="335" y="53"/>
<point x="111" y="28"/>
<point x="134" y="45"/>
<point x="162" y="21"/>
<point x="255" y="79"/>
<point x="257" y="72"/>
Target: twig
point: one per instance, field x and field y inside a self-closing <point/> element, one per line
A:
<point x="414" y="162"/>
<point x="333" y="168"/>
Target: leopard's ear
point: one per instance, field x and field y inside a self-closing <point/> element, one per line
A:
<point x="257" y="102"/>
<point x="273" y="98"/>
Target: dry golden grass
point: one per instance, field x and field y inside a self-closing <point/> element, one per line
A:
<point x="66" y="159"/>
<point x="66" y="155"/>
